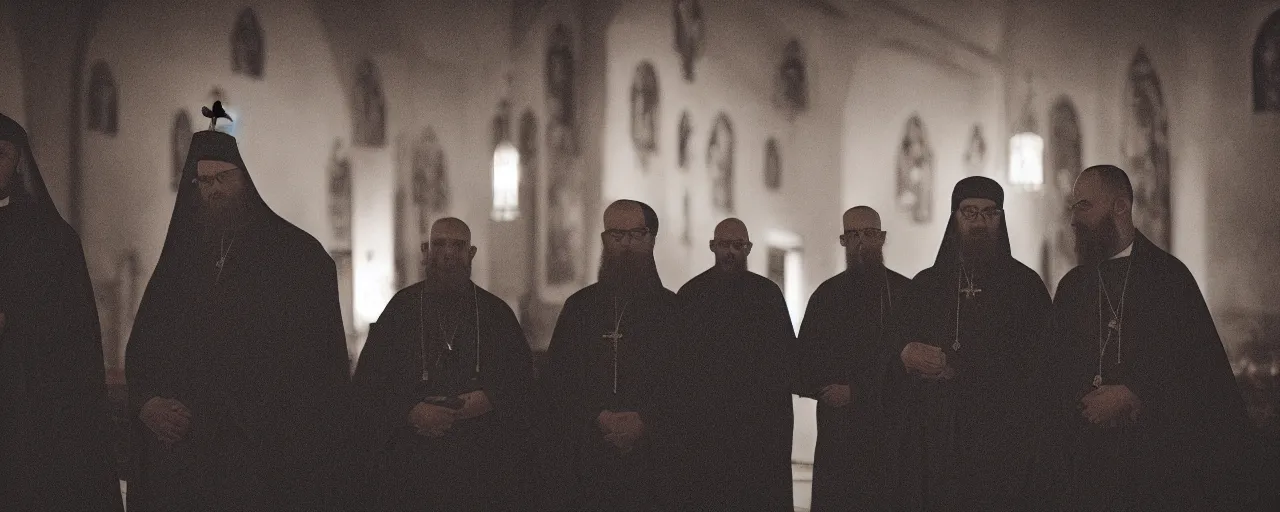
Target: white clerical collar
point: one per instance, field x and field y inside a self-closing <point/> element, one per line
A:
<point x="1125" y="253"/>
<point x="4" y="202"/>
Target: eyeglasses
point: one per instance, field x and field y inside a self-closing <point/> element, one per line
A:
<point x="219" y="178"/>
<point x="740" y="245"/>
<point x="972" y="212"/>
<point x="631" y="234"/>
<point x="444" y="243"/>
<point x="869" y="233"/>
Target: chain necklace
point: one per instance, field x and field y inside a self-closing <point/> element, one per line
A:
<point x="422" y="332"/>
<point x="1117" y="319"/>
<point x="615" y="336"/>
<point x="222" y="256"/>
<point x="969" y="292"/>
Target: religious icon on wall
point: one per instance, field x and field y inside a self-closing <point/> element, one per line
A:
<point x="686" y="237"/>
<point x="246" y="45"/>
<point x="1146" y="150"/>
<point x="793" y="81"/>
<point x="1266" y="66"/>
<point x="644" y="108"/>
<point x="340" y="214"/>
<point x="975" y="157"/>
<point x="179" y="143"/>
<point x="690" y="34"/>
<point x="430" y="181"/>
<point x="561" y="102"/>
<point x="772" y="165"/>
<point x="684" y="134"/>
<point x="720" y="163"/>
<point x="777" y="269"/>
<point x="103" y="108"/>
<point x="370" y="107"/>
<point x="529" y="152"/>
<point x="915" y="172"/>
<point x="1066" y="159"/>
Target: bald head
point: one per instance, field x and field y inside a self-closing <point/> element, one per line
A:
<point x="731" y="229"/>
<point x="861" y="217"/>
<point x="1101" y="213"/>
<point x="451" y="228"/>
<point x="449" y="254"/>
<point x="731" y="245"/>
<point x="863" y="240"/>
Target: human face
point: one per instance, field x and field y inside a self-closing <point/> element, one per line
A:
<point x="731" y="246"/>
<point x="978" y="218"/>
<point x="863" y="240"/>
<point x="221" y="187"/>
<point x="625" y="231"/>
<point x="1093" y="218"/>
<point x="449" y="253"/>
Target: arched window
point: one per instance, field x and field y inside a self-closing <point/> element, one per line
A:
<point x="1266" y="66"/>
<point x="1146" y="149"/>
<point x="246" y="45"/>
<point x="370" y="107"/>
<point x="103" y="103"/>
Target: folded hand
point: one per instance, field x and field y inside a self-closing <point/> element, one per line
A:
<point x="431" y="420"/>
<point x="923" y="358"/>
<point x="167" y="418"/>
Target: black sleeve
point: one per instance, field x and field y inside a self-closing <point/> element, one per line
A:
<point x="509" y="385"/>
<point x="811" y="343"/>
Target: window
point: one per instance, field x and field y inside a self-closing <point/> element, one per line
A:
<point x="103" y="103"/>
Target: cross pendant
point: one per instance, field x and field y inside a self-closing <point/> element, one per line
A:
<point x="1114" y="324"/>
<point x="614" y="337"/>
<point x="221" y="261"/>
<point x="956" y="346"/>
<point x="1097" y="381"/>
<point x="425" y="375"/>
<point x="970" y="291"/>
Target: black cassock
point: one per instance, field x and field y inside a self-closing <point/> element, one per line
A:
<point x="651" y="379"/>
<point x="965" y="441"/>
<point x="843" y="339"/>
<point x="479" y="464"/>
<point x="745" y="352"/>
<point x="54" y="429"/>
<point x="1187" y="447"/>
<point x="255" y="350"/>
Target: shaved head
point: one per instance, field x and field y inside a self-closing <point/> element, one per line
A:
<point x="451" y="228"/>
<point x="863" y="240"/>
<point x="731" y="229"/>
<point x="1102" y="213"/>
<point x="861" y="217"/>
<point x="448" y="255"/>
<point x="731" y="245"/>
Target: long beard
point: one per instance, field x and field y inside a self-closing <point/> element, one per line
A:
<point x="448" y="279"/>
<point x="1092" y="244"/>
<point x="628" y="271"/>
<point x="978" y="246"/>
<point x="223" y="213"/>
<point x="862" y="262"/>
<point x="731" y="264"/>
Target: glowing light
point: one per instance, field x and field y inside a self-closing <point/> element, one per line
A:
<point x="506" y="182"/>
<point x="1026" y="160"/>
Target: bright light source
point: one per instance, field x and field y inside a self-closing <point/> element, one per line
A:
<point x="506" y="182"/>
<point x="1026" y="160"/>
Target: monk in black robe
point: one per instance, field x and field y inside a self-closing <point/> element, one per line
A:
<point x="54" y="427"/>
<point x="443" y="391"/>
<point x="617" y="389"/>
<point x="745" y="366"/>
<point x="1146" y="415"/>
<point x="846" y="369"/>
<point x="968" y="336"/>
<point x="237" y="366"/>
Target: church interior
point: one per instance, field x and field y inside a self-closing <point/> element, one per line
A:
<point x="363" y="122"/>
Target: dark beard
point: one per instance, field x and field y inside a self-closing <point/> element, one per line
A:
<point x="223" y="214"/>
<point x="450" y="280"/>
<point x="736" y="266"/>
<point x="1093" y="244"/>
<point x="628" y="271"/>
<point x="862" y="263"/>
<point x="978" y="247"/>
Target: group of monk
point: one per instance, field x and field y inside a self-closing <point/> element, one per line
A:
<point x="965" y="388"/>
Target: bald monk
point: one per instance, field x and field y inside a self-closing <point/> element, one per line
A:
<point x="443" y="389"/>
<point x="616" y="382"/>
<point x="745" y="356"/>
<point x="845" y="367"/>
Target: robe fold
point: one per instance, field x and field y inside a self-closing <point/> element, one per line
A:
<point x="843" y="338"/>
<point x="54" y="427"/>
<point x="1190" y="446"/>
<point x="652" y="380"/>
<point x="746" y="371"/>
<point x="480" y="464"/>
<point x="966" y="441"/>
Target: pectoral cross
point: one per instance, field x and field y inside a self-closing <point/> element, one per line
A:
<point x="614" y="337"/>
<point x="221" y="261"/>
<point x="970" y="291"/>
<point x="1114" y="325"/>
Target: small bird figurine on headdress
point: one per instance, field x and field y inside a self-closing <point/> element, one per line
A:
<point x="215" y="114"/>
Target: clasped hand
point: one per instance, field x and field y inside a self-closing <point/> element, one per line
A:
<point x="167" y="418"/>
<point x="836" y="395"/>
<point x="927" y="360"/>
<point x="1109" y="405"/>
<point x="622" y="429"/>
<point x="434" y="421"/>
